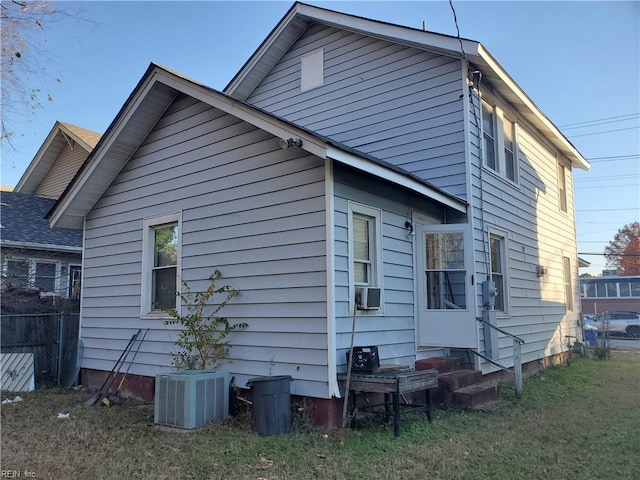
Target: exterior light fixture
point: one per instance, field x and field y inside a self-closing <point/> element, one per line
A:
<point x="290" y="142"/>
<point x="410" y="231"/>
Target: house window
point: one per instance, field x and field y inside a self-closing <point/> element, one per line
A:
<point x="312" y="70"/>
<point x="489" y="138"/>
<point x="445" y="271"/>
<point x="499" y="143"/>
<point x="562" y="187"/>
<point x="45" y="277"/>
<point x="568" y="290"/>
<point x="17" y="273"/>
<point x="498" y="269"/>
<point x="161" y="261"/>
<point x="365" y="245"/>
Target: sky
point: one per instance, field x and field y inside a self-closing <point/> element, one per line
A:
<point x="578" y="61"/>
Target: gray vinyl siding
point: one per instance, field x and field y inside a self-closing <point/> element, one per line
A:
<point x="249" y="209"/>
<point x="62" y="171"/>
<point x="538" y="233"/>
<point x="397" y="103"/>
<point x="392" y="329"/>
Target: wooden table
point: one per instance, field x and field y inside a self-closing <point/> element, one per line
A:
<point x="393" y="383"/>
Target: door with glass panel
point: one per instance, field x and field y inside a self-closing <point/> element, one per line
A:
<point x="445" y="303"/>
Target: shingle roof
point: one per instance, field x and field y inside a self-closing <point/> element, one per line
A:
<point x="22" y="217"/>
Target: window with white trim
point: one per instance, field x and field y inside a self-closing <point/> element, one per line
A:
<point x="568" y="288"/>
<point x="562" y="187"/>
<point x="499" y="142"/>
<point x="161" y="263"/>
<point x="45" y="277"/>
<point x="498" y="269"/>
<point x="365" y="246"/>
<point x="41" y="275"/>
<point x="17" y="273"/>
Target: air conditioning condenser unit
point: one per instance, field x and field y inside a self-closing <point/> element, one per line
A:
<point x="191" y="398"/>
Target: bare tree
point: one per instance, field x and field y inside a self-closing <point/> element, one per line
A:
<point x="24" y="81"/>
<point x="623" y="252"/>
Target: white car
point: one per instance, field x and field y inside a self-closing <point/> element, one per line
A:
<point x="624" y="322"/>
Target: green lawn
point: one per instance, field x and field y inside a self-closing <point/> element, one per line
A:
<point x="577" y="422"/>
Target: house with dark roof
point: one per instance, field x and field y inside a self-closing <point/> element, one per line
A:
<point x="34" y="254"/>
<point x="355" y="180"/>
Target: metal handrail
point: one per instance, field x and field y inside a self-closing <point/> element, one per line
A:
<point x="517" y="356"/>
<point x="500" y="366"/>
<point x="517" y="339"/>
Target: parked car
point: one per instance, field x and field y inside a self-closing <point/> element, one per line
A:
<point x="619" y="322"/>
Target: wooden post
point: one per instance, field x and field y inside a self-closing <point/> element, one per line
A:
<point x="517" y="367"/>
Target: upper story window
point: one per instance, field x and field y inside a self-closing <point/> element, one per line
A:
<point x="312" y="70"/>
<point x="499" y="142"/>
<point x="562" y="187"/>
<point x="160" y="264"/>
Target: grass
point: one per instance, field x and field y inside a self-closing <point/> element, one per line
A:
<point x="577" y="422"/>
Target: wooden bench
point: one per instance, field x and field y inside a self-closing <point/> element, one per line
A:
<point x="393" y="383"/>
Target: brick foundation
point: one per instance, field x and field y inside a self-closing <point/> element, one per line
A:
<point x="325" y="412"/>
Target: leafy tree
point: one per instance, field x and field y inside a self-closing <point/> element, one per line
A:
<point x="623" y="252"/>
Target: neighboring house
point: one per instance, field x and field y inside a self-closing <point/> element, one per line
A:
<point x="61" y="155"/>
<point x="610" y="294"/>
<point x="346" y="154"/>
<point x="33" y="254"/>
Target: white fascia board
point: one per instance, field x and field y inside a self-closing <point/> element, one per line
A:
<point x="41" y="246"/>
<point x="259" y="119"/>
<point x="395" y="177"/>
<point x="35" y="163"/>
<point x="257" y="56"/>
<point x="98" y="154"/>
<point x="396" y="33"/>
<point x="568" y="149"/>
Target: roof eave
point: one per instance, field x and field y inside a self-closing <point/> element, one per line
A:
<point x="539" y="119"/>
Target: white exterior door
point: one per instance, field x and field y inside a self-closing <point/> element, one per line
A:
<point x="445" y="294"/>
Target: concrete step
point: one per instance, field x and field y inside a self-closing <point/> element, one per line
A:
<point x="472" y="396"/>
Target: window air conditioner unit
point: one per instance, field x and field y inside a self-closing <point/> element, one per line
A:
<point x="367" y="298"/>
<point x="191" y="398"/>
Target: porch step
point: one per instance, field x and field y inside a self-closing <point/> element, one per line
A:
<point x="452" y="381"/>
<point x="441" y="364"/>
<point x="472" y="396"/>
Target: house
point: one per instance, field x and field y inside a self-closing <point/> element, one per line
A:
<point x="347" y="155"/>
<point x="33" y="254"/>
<point x="610" y="293"/>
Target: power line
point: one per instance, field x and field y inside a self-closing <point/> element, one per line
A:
<point x="608" y="210"/>
<point x="598" y="124"/>
<point x="599" y="120"/>
<point x="635" y="155"/>
<point x="605" y="131"/>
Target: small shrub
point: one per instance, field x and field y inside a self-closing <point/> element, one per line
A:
<point x="602" y="351"/>
<point x="203" y="340"/>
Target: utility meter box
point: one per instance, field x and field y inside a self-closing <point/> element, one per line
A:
<point x="489" y="293"/>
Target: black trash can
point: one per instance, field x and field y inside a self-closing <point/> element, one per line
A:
<point x="271" y="404"/>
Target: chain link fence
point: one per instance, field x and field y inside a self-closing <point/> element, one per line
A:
<point x="52" y="338"/>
